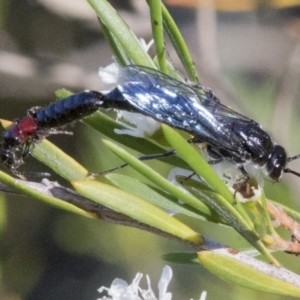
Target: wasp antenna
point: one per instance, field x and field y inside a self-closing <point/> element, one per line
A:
<point x="291" y="171"/>
<point x="289" y="159"/>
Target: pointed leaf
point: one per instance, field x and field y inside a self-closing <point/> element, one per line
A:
<point x="239" y="273"/>
<point x="158" y="33"/>
<point x="24" y="188"/>
<point x="179" y="44"/>
<point x="134" y="186"/>
<point x="190" y="258"/>
<point x="135" y="208"/>
<point x="61" y="163"/>
<point x="121" y="32"/>
<point x="195" y="161"/>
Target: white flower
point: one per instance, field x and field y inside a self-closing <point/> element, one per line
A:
<point x="144" y="126"/>
<point x="120" y="290"/>
<point x="109" y="75"/>
<point x="146" y="46"/>
<point x="163" y="283"/>
<point x="203" y="295"/>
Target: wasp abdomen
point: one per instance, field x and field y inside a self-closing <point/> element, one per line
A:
<point x="68" y="110"/>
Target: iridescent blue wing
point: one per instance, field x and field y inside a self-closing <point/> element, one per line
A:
<point x="188" y="107"/>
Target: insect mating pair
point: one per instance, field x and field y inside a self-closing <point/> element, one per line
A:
<point x="194" y="109"/>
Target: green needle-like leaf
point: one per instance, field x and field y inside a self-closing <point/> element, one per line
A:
<point x="158" y="33"/>
<point x="135" y="208"/>
<point x="190" y="258"/>
<point x="121" y="32"/>
<point x="30" y="191"/>
<point x="59" y="161"/>
<point x="239" y="273"/>
<point x="179" y="45"/>
<point x="115" y="46"/>
<point x="134" y="186"/>
<point x="196" y="162"/>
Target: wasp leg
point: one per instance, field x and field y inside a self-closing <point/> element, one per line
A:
<point x="246" y="175"/>
<point x="143" y="157"/>
<point x="214" y="157"/>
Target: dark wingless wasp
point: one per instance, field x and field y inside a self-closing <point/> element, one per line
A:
<point x="192" y="108"/>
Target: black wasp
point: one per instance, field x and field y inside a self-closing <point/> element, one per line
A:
<point x="192" y="108"/>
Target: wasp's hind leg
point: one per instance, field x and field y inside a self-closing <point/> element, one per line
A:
<point x="142" y="158"/>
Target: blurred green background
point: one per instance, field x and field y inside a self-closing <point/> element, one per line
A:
<point x="249" y="57"/>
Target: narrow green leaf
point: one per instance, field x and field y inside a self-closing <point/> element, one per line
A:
<point x="59" y="161"/>
<point x="189" y="258"/>
<point x="24" y="189"/>
<point x="239" y="273"/>
<point x="135" y="187"/>
<point x="179" y="45"/>
<point x="201" y="167"/>
<point x="224" y="209"/>
<point x="265" y="218"/>
<point x="62" y="93"/>
<point x="115" y="46"/>
<point x="121" y="32"/>
<point x="197" y="163"/>
<point x="135" y="208"/>
<point x="158" y="33"/>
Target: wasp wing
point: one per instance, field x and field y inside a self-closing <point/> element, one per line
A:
<point x="187" y="107"/>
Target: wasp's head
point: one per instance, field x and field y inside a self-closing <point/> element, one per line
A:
<point x="276" y="163"/>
